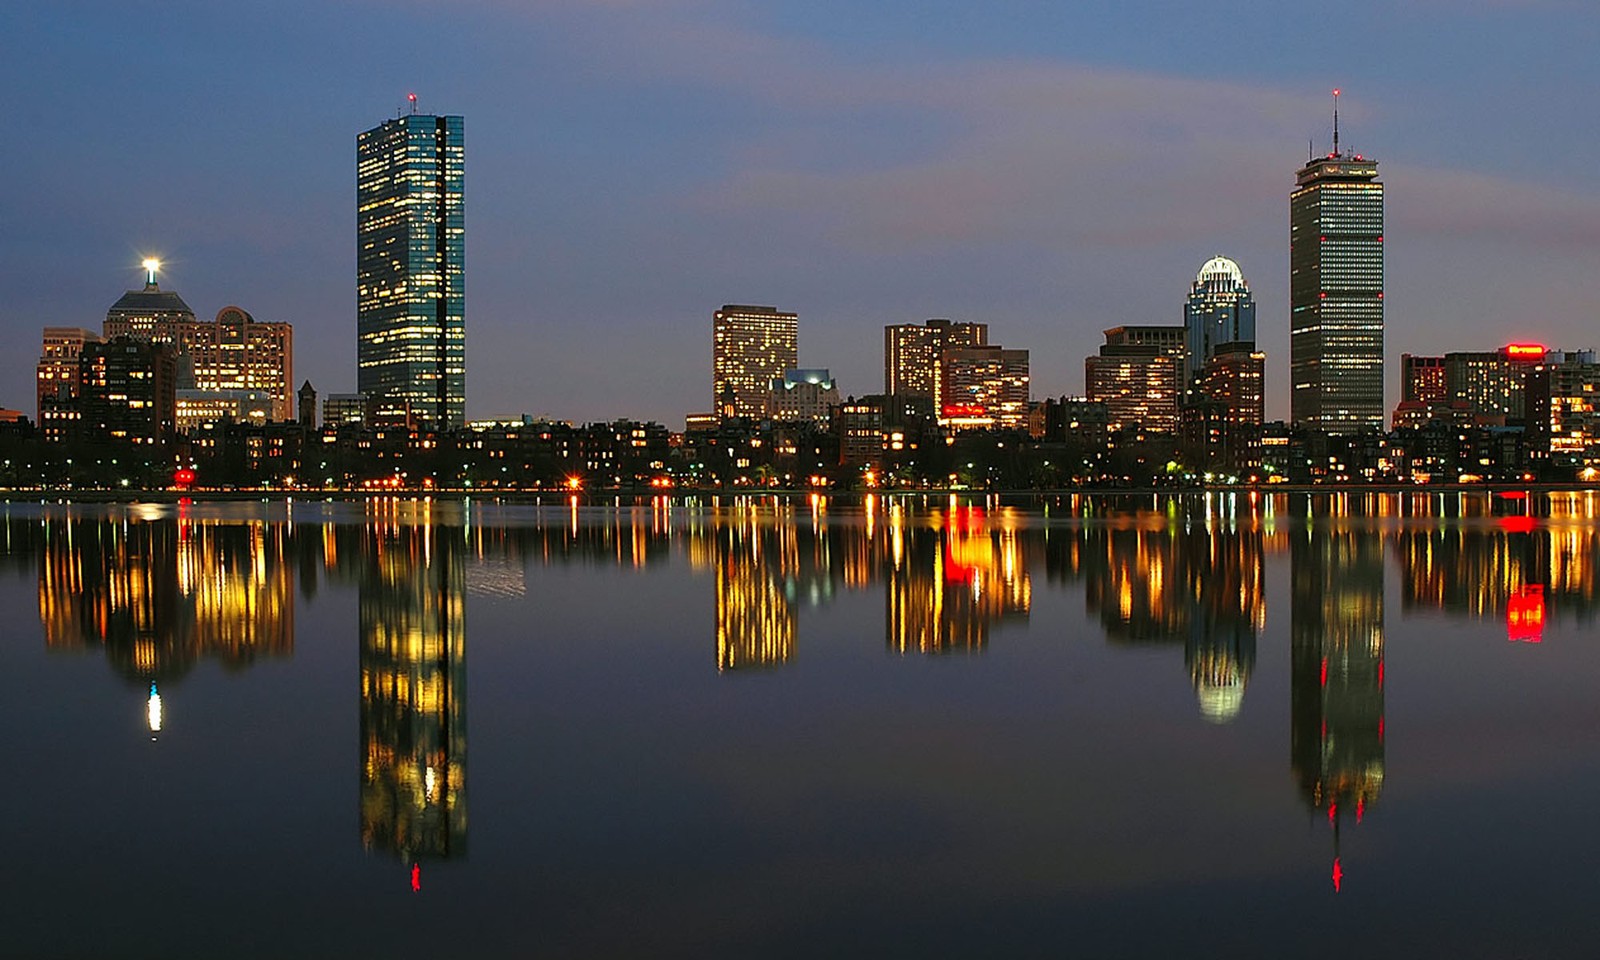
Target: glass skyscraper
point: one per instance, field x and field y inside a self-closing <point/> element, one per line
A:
<point x="1220" y="311"/>
<point x="410" y="297"/>
<point x="1336" y="294"/>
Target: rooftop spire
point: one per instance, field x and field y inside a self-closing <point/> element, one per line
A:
<point x="1336" y="121"/>
<point x="151" y="265"/>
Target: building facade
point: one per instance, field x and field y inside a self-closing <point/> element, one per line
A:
<point x="128" y="391"/>
<point x="1220" y="312"/>
<point x="984" y="388"/>
<point x="1136" y="375"/>
<point x="410" y="270"/>
<point x="59" y="380"/>
<point x="803" y="395"/>
<point x="1336" y="294"/>
<point x="751" y="346"/>
<point x="912" y="354"/>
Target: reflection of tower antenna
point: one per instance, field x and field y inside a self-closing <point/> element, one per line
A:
<point x="1336" y="121"/>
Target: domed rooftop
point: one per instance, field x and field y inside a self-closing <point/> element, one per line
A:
<point x="1220" y="274"/>
<point x="151" y="300"/>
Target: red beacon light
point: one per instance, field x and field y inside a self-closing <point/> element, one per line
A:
<point x="183" y="478"/>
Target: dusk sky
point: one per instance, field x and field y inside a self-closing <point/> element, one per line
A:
<point x="1050" y="168"/>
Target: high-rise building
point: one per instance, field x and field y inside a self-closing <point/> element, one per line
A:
<point x="912" y="353"/>
<point x="1336" y="293"/>
<point x="1422" y="379"/>
<point x="1136" y="376"/>
<point x="411" y="339"/>
<point x="984" y="388"/>
<point x="750" y="347"/>
<point x="234" y="354"/>
<point x="1220" y="312"/>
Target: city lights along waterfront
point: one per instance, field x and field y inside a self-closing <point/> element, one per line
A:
<point x="748" y="726"/>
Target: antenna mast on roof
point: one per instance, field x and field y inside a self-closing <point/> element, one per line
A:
<point x="1336" y="121"/>
<point x="413" y="99"/>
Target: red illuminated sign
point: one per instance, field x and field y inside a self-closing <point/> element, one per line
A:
<point x="1525" y="351"/>
<point x="954" y="410"/>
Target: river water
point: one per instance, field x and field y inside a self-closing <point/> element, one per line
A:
<point x="1228" y="725"/>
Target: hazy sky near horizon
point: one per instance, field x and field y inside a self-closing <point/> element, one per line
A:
<point x="1052" y="169"/>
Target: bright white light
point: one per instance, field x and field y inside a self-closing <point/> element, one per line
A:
<point x="153" y="710"/>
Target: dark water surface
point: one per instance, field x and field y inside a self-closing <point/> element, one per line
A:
<point x="1227" y="726"/>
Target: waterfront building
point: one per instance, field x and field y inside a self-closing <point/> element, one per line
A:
<point x="58" y="380"/>
<point x="751" y="346"/>
<point x="1220" y="313"/>
<point x="410" y="274"/>
<point x="1136" y="375"/>
<point x="802" y="395"/>
<point x="1336" y="293"/>
<point x="127" y="391"/>
<point x="913" y="352"/>
<point x="984" y="388"/>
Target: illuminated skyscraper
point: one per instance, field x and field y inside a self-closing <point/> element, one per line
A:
<point x="411" y="338"/>
<point x="750" y="348"/>
<point x="984" y="387"/>
<point x="1220" y="312"/>
<point x="1336" y="293"/>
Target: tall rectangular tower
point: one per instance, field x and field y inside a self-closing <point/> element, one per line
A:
<point x="912" y="354"/>
<point x="1336" y="294"/>
<point x="750" y="348"/>
<point x="410" y="296"/>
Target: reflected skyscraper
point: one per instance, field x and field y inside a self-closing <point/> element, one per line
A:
<point x="756" y="621"/>
<point x="413" y="693"/>
<point x="1336" y="683"/>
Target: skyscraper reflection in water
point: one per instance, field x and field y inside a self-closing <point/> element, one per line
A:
<point x="1336" y="640"/>
<point x="413" y="692"/>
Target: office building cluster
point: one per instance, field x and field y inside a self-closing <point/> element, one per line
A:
<point x="1161" y="403"/>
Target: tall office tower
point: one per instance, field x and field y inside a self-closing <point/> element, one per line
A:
<point x="1220" y="312"/>
<point x="750" y="348"/>
<point x="59" y="379"/>
<point x="1336" y="293"/>
<point x="1136" y="376"/>
<point x="984" y="387"/>
<point x="411" y="332"/>
<point x="912" y="353"/>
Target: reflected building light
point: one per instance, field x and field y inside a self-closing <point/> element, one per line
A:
<point x="152" y="711"/>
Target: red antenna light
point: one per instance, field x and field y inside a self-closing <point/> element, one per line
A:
<point x="1336" y="91"/>
<point x="412" y="97"/>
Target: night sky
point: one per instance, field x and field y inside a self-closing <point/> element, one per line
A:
<point x="1050" y="168"/>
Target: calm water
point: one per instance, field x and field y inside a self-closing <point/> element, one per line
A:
<point x="1208" y="726"/>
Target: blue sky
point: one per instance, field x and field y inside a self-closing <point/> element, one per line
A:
<point x="1052" y="169"/>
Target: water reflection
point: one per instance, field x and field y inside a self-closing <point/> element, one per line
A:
<point x="1336" y="655"/>
<point x="157" y="592"/>
<point x="413" y="692"/>
<point x="156" y="597"/>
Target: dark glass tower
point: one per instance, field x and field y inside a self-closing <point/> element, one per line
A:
<point x="1220" y="311"/>
<point x="1336" y="294"/>
<point x="410" y="300"/>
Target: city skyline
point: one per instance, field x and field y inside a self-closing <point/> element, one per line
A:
<point x="996" y="170"/>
